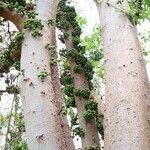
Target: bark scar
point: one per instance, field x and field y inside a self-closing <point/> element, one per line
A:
<point x="40" y="137"/>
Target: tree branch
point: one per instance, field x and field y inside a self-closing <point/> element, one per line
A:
<point x="11" y="15"/>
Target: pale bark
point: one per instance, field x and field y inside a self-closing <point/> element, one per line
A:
<point x="127" y="124"/>
<point x="80" y="82"/>
<point x="42" y="121"/>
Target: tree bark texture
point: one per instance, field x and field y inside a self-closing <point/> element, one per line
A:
<point x="127" y="121"/>
<point x="42" y="120"/>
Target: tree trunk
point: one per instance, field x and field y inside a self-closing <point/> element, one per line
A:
<point x="80" y="82"/>
<point x="127" y="124"/>
<point x="66" y="22"/>
<point x="42" y="120"/>
<point x="64" y="127"/>
<point x="63" y="124"/>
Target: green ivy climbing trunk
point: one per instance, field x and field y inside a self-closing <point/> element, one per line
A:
<point x="80" y="82"/>
<point x="76" y="78"/>
<point x="127" y="124"/>
<point x="44" y="128"/>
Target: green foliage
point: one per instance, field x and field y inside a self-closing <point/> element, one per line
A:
<point x="81" y="21"/>
<point x="91" y="110"/>
<point x="21" y="6"/>
<point x="5" y="61"/>
<point x="66" y="21"/>
<point x="16" y="131"/>
<point x="144" y="38"/>
<point x="90" y="104"/>
<point x="100" y="128"/>
<point x="36" y="33"/>
<point x="12" y="89"/>
<point x="62" y="52"/>
<point x="20" y="9"/>
<point x="73" y="116"/>
<point x="139" y="10"/>
<point x="78" y="68"/>
<point x="80" y="59"/>
<point x="68" y="90"/>
<point x="53" y="60"/>
<point x="68" y="12"/>
<point x="16" y="2"/>
<point x="96" y="55"/>
<point x="9" y="59"/>
<point x="84" y="93"/>
<point x="77" y="56"/>
<point x="17" y="41"/>
<point x="89" y="71"/>
<point x="15" y="127"/>
<point x="93" y="147"/>
<point x="31" y="14"/>
<point x="16" y="65"/>
<point x="50" y="22"/>
<point x="64" y="110"/>
<point x="52" y="50"/>
<point x="50" y="47"/>
<point x="70" y="102"/>
<point x="67" y="79"/>
<point x="79" y="131"/>
<point x="34" y="25"/>
<point x="62" y="37"/>
<point x="18" y="144"/>
<point x="93" y="46"/>
<point x="3" y="120"/>
<point x="66" y="35"/>
<point x="89" y="114"/>
<point x="42" y="75"/>
<point x="71" y="53"/>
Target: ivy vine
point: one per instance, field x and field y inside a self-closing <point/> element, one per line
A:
<point x="66" y="21"/>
